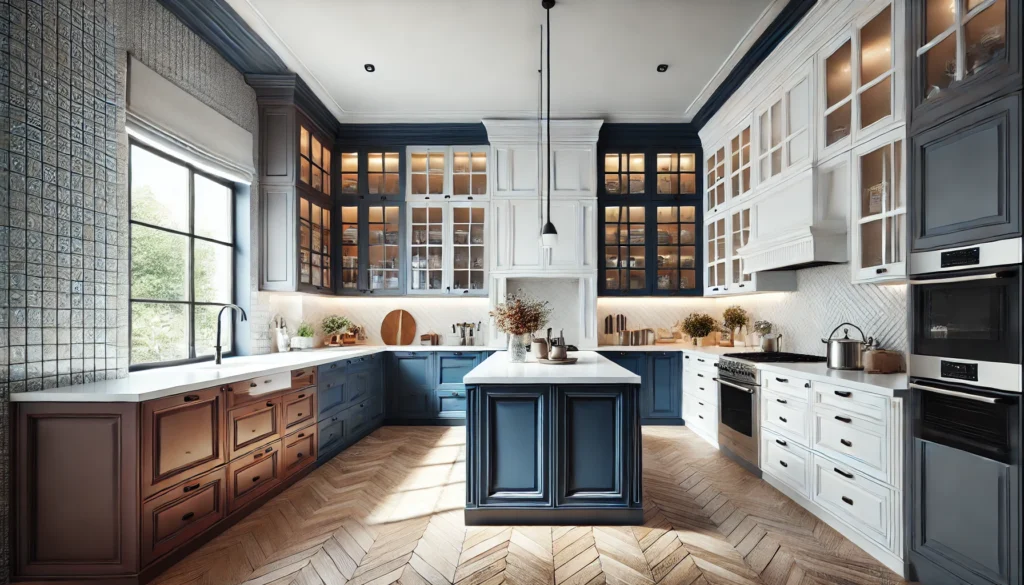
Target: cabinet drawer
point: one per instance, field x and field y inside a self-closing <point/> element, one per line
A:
<point x="785" y="415"/>
<point x="865" y="404"/>
<point x="787" y="461"/>
<point x="331" y="371"/>
<point x="257" y="389"/>
<point x="785" y="384"/>
<point x="703" y="361"/>
<point x="298" y="409"/>
<point x="182" y="437"/>
<point x="253" y="474"/>
<point x="330" y="433"/>
<point x="330" y="393"/>
<point x="855" y="499"/>
<point x="853" y="441"/>
<point x="701" y="386"/>
<point x="303" y="378"/>
<point x="253" y="426"/>
<point x="452" y="366"/>
<point x="300" y="449"/>
<point x="182" y="513"/>
<point x="701" y="415"/>
<point x="450" y="404"/>
<point x="358" y="419"/>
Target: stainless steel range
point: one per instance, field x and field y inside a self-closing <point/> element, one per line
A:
<point x="739" y="382"/>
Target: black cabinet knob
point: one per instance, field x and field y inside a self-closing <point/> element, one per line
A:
<point x="783" y="419"/>
<point x="781" y="401"/>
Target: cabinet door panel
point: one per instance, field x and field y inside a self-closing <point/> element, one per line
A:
<point x="410" y="385"/>
<point x="513" y="460"/>
<point x="299" y="450"/>
<point x="252" y="426"/>
<point x="591" y="459"/>
<point x="662" y="391"/>
<point x="182" y="437"/>
<point x="253" y="474"/>
<point x="330" y="394"/>
<point x="331" y="432"/>
<point x="452" y="367"/>
<point x="180" y="514"/>
<point x="568" y="219"/>
<point x="524" y="230"/>
<point x="967" y="177"/>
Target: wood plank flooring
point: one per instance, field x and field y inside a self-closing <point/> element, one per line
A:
<point x="389" y="510"/>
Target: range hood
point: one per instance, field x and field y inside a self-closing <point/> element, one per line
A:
<point x="799" y="222"/>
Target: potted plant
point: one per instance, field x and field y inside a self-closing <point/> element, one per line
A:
<point x="518" y="317"/>
<point x="763" y="328"/>
<point x="698" y="326"/>
<point x="303" y="337"/>
<point x="335" y="326"/>
<point x="735" y="318"/>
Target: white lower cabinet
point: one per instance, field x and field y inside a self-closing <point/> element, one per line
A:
<point x="870" y="507"/>
<point x="700" y="394"/>
<point x="701" y="417"/>
<point x="785" y="415"/>
<point x="786" y="460"/>
<point x="860" y="443"/>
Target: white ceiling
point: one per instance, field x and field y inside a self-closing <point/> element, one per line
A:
<point x="466" y="60"/>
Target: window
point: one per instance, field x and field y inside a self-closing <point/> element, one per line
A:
<point x="182" y="259"/>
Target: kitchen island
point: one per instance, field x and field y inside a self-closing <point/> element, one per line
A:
<point x="553" y="444"/>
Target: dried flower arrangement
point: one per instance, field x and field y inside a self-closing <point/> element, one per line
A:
<point x="735" y="317"/>
<point x="698" y="325"/>
<point x="763" y="327"/>
<point x="521" y="314"/>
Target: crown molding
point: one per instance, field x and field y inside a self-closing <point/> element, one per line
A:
<point x="582" y="131"/>
<point x="290" y="89"/>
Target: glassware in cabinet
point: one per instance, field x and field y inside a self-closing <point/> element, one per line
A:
<point x="427" y="168"/>
<point x="624" y="174"/>
<point x="676" y="248"/>
<point x="427" y="247"/>
<point x="314" y="162"/>
<point x="469" y="172"/>
<point x="677" y="174"/>
<point x="383" y="248"/>
<point x="314" y="244"/>
<point x="469" y="241"/>
<point x="625" y="242"/>
<point x="383" y="173"/>
<point x="349" y="279"/>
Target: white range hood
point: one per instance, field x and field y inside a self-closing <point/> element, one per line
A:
<point x="799" y="222"/>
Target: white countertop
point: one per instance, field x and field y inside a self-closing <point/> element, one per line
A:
<point x="592" y="368"/>
<point x="819" y="372"/>
<point x="688" y="347"/>
<point x="161" y="382"/>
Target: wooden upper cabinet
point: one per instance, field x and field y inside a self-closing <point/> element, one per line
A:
<point x="963" y="53"/>
<point x="182" y="436"/>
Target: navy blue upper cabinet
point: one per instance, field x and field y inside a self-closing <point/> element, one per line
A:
<point x="372" y="173"/>
<point x="410" y="378"/>
<point x="662" y="397"/>
<point x="371" y="240"/>
<point x="649" y="222"/>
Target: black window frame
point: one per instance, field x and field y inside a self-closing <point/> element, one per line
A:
<point x="191" y="303"/>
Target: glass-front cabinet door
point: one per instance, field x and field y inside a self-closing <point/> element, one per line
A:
<point x="314" y="161"/>
<point x="382" y="173"/>
<point x="469" y="172"/>
<point x="452" y="173"/>
<point x="716" y="181"/>
<point x="739" y="235"/>
<point x="676" y="174"/>
<point x="739" y="163"/>
<point x="769" y="150"/>
<point x="838" y="88"/>
<point x="348" y="276"/>
<point x="427" y="247"/>
<point x="717" y="265"/>
<point x="624" y="174"/>
<point x="676" y="230"/>
<point x="314" y="245"/>
<point x="879" y="207"/>
<point x="427" y="167"/>
<point x="876" y="67"/>
<point x="383" y="249"/>
<point x="963" y="51"/>
<point x="469" y="249"/>
<point x="624" y="254"/>
<point x="447" y="248"/>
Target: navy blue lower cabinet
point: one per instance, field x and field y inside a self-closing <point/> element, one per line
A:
<point x="543" y="454"/>
<point x="662" y="393"/>
<point x="450" y="404"/>
<point x="330" y="394"/>
<point x="410" y="386"/>
<point x="452" y="366"/>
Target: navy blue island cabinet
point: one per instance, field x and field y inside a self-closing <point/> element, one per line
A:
<point x="553" y="453"/>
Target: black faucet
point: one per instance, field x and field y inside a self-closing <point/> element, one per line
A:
<point x="219" y="314"/>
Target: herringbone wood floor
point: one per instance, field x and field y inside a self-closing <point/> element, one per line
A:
<point x="389" y="510"/>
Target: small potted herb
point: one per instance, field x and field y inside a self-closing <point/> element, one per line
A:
<point x="735" y="318"/>
<point x="335" y="326"/>
<point x="698" y="326"/>
<point x="303" y="337"/>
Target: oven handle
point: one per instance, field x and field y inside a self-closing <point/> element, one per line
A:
<point x="964" y="395"/>
<point x="959" y="278"/>
<point x="731" y="385"/>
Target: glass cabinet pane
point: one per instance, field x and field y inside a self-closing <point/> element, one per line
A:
<point x="676" y="174"/>
<point x="383" y="257"/>
<point x="797" y="119"/>
<point x="468" y="248"/>
<point x="939" y="66"/>
<point x="716" y="178"/>
<point x="880" y="207"/>
<point x="426" y="262"/>
<point x="624" y="248"/>
<point x="876" y="46"/>
<point x="469" y="172"/>
<point x="716" y="253"/>
<point x="314" y="162"/>
<point x="676" y="260"/>
<point x="739" y="154"/>
<point x="740" y="236"/>
<point x="838" y="90"/>
<point x="985" y="37"/>
<point x="382" y="173"/>
<point x="314" y="244"/>
<point x="350" y="172"/>
<point x="349" y="247"/>
<point x="624" y="174"/>
<point x="982" y="39"/>
<point x="939" y="16"/>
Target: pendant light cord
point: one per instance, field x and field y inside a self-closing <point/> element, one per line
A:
<point x="549" y="112"/>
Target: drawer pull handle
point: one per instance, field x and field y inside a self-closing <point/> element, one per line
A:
<point x="299" y="456"/>
<point x="700" y="403"/>
<point x="299" y="415"/>
<point x="782" y="380"/>
<point x="255" y="479"/>
<point x="701" y="387"/>
<point x="783" y="419"/>
<point x="252" y="384"/>
<point x="848" y="500"/>
<point x="190" y="488"/>
<point x="845" y="474"/>
<point x="334" y="366"/>
<point x="701" y="416"/>
<point x="846" y="443"/>
<point x="302" y="395"/>
<point x="700" y="375"/>
<point x="781" y="401"/>
<point x="781" y="442"/>
<point x="457" y="353"/>
<point x="843" y="393"/>
<point x="844" y="419"/>
<point x="783" y="463"/>
<point x="807" y="384"/>
<point x="257" y="456"/>
<point x="302" y="435"/>
<point x="269" y="403"/>
<point x="187" y="516"/>
<point x="191" y="398"/>
<point x="268" y="449"/>
<point x="700" y="360"/>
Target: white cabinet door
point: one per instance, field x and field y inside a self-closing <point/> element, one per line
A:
<point x="514" y="171"/>
<point x="573" y="172"/>
<point x="879" y="209"/>
<point x="523" y="226"/>
<point x="576" y="225"/>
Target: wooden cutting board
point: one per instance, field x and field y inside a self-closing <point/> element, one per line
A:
<point x="398" y="328"/>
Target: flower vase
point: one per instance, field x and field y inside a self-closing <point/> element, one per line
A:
<point x="517" y="346"/>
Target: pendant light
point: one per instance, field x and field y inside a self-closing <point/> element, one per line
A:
<point x="548" y="235"/>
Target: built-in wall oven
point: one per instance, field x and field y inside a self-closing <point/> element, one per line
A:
<point x="965" y="327"/>
<point x="965" y="484"/>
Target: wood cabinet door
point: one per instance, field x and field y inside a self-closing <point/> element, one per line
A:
<point x="300" y="449"/>
<point x="182" y="437"/>
<point x="182" y="513"/>
<point x="966" y="177"/>
<point x="298" y="409"/>
<point x="76" y="483"/>
<point x="514" y="464"/>
<point x="253" y="474"/>
<point x="253" y="426"/>
<point x="591" y="452"/>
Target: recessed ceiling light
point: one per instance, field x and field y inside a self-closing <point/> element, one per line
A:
<point x="369" y="68"/>
<point x="662" y="68"/>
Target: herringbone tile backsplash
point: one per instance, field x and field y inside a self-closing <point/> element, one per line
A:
<point x="825" y="297"/>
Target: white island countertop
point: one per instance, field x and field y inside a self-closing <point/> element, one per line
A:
<point x="162" y="382"/>
<point x="591" y="368"/>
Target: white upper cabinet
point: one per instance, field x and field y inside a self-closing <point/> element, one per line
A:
<point x="457" y="173"/>
<point x="515" y="172"/>
<point x="717" y="179"/>
<point x="740" y="165"/>
<point x="447" y="248"/>
<point x="879" y="209"/>
<point x="517" y="236"/>
<point x="783" y="127"/>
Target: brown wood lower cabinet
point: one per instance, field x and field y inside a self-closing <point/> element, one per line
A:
<point x="182" y="437"/>
<point x="298" y="409"/>
<point x="253" y="426"/>
<point x="253" y="474"/>
<point x="182" y="513"/>
<point x="300" y="449"/>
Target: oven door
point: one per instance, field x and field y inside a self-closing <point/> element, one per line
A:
<point x="738" y="420"/>
<point x="966" y="328"/>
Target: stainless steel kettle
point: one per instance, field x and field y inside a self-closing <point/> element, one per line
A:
<point x="846" y="353"/>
